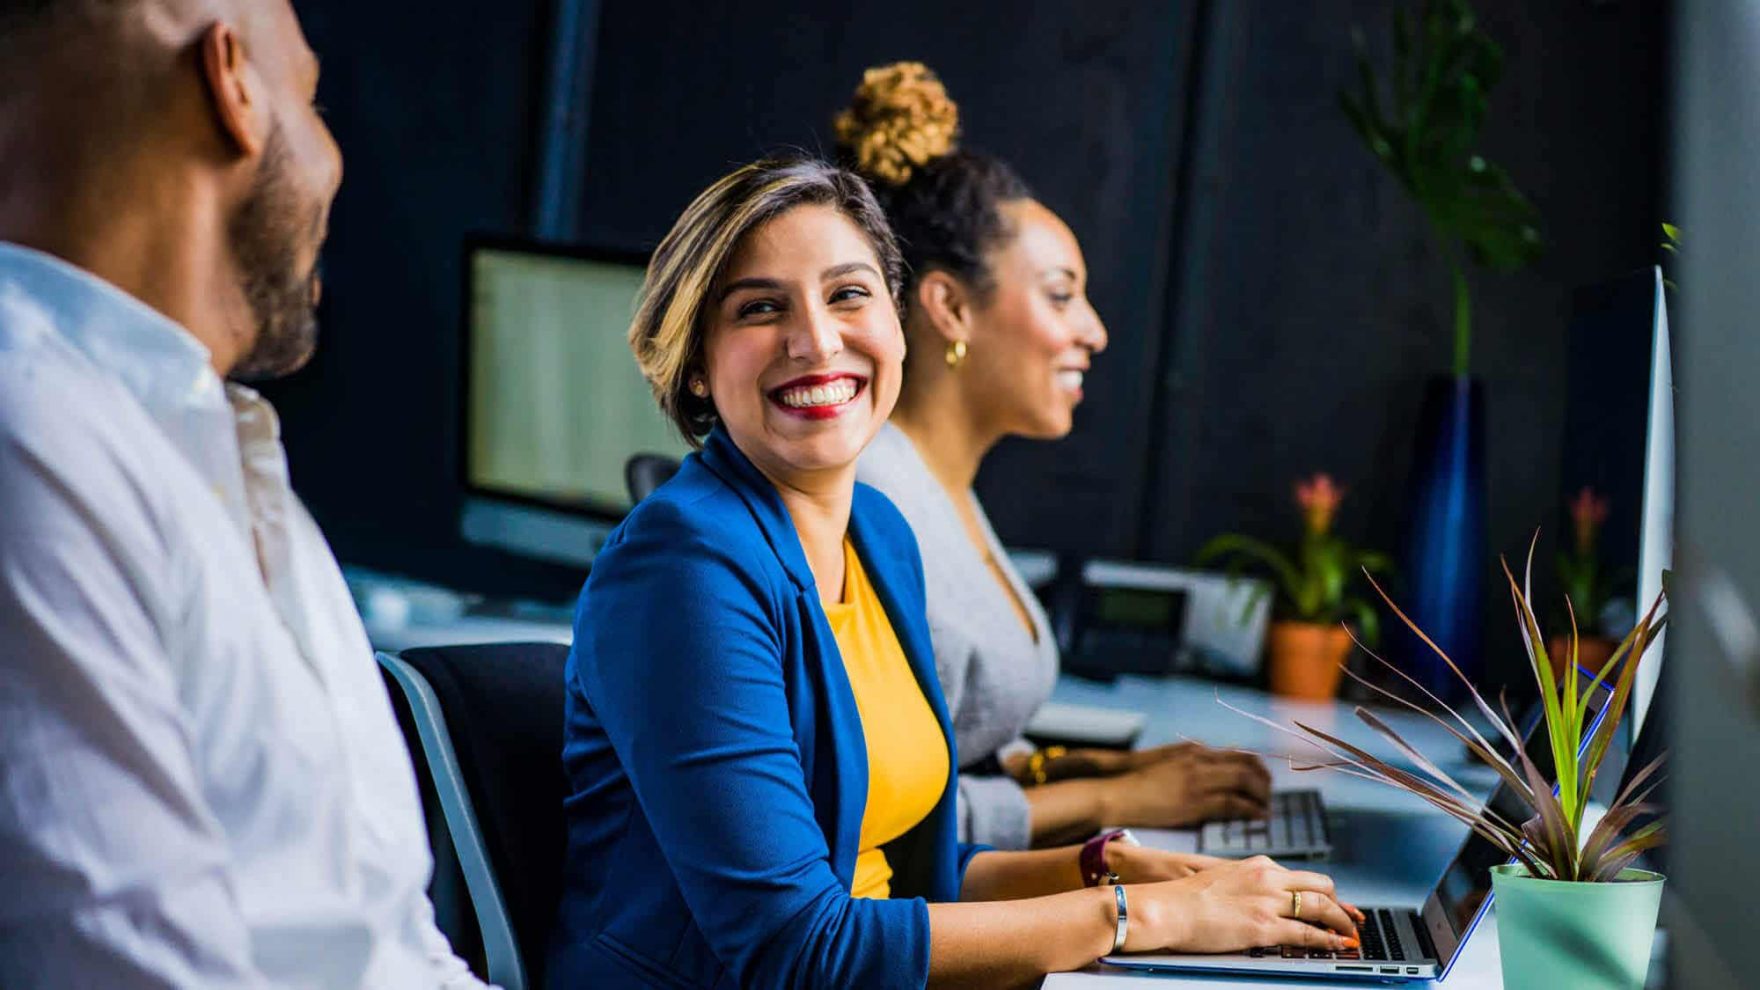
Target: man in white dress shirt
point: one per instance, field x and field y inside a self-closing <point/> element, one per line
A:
<point x="201" y="780"/>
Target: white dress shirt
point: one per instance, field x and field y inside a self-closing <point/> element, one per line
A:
<point x="201" y="780"/>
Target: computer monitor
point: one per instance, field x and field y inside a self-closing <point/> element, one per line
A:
<point x="553" y="403"/>
<point x="1619" y="441"/>
<point x="1656" y="537"/>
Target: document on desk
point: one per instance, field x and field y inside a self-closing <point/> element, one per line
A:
<point x="1086" y="725"/>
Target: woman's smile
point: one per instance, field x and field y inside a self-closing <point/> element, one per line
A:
<point x="818" y="397"/>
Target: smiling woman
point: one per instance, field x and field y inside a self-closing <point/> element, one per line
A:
<point x="702" y="275"/>
<point x="802" y="353"/>
<point x="760" y="761"/>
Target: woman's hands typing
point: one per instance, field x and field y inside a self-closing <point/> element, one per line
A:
<point x="1185" y="785"/>
<point x="1230" y="906"/>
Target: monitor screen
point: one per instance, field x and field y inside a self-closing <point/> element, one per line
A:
<point x="1618" y="447"/>
<point x="1148" y="609"/>
<point x="1124" y="629"/>
<point x="555" y="405"/>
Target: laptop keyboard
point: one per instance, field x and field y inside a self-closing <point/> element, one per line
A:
<point x="1379" y="935"/>
<point x="1297" y="821"/>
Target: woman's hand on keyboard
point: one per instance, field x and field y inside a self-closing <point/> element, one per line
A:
<point x="1189" y="785"/>
<point x="1239" y="905"/>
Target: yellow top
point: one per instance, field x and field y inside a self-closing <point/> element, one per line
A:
<point x="907" y="754"/>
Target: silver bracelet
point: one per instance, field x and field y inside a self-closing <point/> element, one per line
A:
<point x="1124" y="918"/>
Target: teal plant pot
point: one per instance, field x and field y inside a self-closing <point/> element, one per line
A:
<point x="1586" y="936"/>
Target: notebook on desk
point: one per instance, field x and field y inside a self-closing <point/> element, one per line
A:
<point x="1074" y="726"/>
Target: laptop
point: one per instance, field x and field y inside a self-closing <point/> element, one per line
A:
<point x="1296" y="828"/>
<point x="1398" y="944"/>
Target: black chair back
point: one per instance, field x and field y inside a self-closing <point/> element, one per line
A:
<point x="645" y="472"/>
<point x="503" y="708"/>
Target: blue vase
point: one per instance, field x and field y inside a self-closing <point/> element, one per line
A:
<point x="1444" y="567"/>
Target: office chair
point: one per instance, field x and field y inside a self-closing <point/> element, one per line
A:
<point x="645" y="472"/>
<point x="488" y="724"/>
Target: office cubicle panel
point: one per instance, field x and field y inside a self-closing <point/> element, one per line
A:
<point x="1714" y="859"/>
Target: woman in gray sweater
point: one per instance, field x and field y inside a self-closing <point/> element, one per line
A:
<point x="1000" y="336"/>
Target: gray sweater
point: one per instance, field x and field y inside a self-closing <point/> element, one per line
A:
<point x="994" y="674"/>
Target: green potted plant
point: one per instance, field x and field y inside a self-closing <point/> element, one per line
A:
<point x="1587" y="586"/>
<point x="1420" y="119"/>
<point x="1572" y="912"/>
<point x="1307" y="644"/>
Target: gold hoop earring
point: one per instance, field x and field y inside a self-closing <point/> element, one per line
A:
<point x="956" y="354"/>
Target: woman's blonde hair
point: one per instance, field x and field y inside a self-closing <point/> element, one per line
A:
<point x="667" y="331"/>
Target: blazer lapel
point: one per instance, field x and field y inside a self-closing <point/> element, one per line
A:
<point x="840" y="811"/>
<point x="731" y="465"/>
<point x="920" y="858"/>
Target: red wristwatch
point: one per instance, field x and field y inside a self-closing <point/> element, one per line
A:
<point x="1093" y="858"/>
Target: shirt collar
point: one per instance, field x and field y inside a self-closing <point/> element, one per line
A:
<point x="160" y="362"/>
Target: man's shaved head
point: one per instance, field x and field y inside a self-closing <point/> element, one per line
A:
<point x="189" y="121"/>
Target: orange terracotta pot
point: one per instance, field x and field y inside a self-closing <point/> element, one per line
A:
<point x="1593" y="652"/>
<point x="1307" y="659"/>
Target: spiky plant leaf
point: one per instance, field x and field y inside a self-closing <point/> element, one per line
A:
<point x="1550" y="843"/>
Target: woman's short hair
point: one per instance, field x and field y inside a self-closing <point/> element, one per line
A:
<point x="901" y="133"/>
<point x="667" y="332"/>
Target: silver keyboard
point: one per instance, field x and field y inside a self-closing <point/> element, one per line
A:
<point x="1296" y="829"/>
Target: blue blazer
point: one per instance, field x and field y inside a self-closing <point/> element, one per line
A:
<point x="716" y="764"/>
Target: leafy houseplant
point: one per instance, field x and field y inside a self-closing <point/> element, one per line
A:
<point x="1587" y="587"/>
<point x="1308" y="644"/>
<point x="1671" y="246"/>
<point x="1572" y="911"/>
<point x="1421" y="120"/>
<point x="1444" y="68"/>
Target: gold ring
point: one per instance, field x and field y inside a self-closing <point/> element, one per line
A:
<point x="1295" y="904"/>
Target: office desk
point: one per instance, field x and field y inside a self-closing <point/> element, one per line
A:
<point x="1389" y="847"/>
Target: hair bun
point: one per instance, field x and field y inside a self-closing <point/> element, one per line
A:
<point x="900" y="120"/>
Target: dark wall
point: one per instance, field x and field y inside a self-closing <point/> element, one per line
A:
<point x="438" y="127"/>
<point x="1311" y="303"/>
<point x="1088" y="99"/>
<point x="1273" y="299"/>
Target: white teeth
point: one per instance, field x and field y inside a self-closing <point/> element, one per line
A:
<point x="1071" y="380"/>
<point x="834" y="394"/>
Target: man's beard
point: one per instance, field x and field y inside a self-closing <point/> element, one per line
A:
<point x="265" y="237"/>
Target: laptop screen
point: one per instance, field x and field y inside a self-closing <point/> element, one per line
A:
<point x="1467" y="882"/>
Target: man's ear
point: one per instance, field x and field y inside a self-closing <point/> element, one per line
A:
<point x="947" y="303"/>
<point x="234" y="90"/>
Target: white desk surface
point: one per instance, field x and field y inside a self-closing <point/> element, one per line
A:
<point x="1388" y="847"/>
